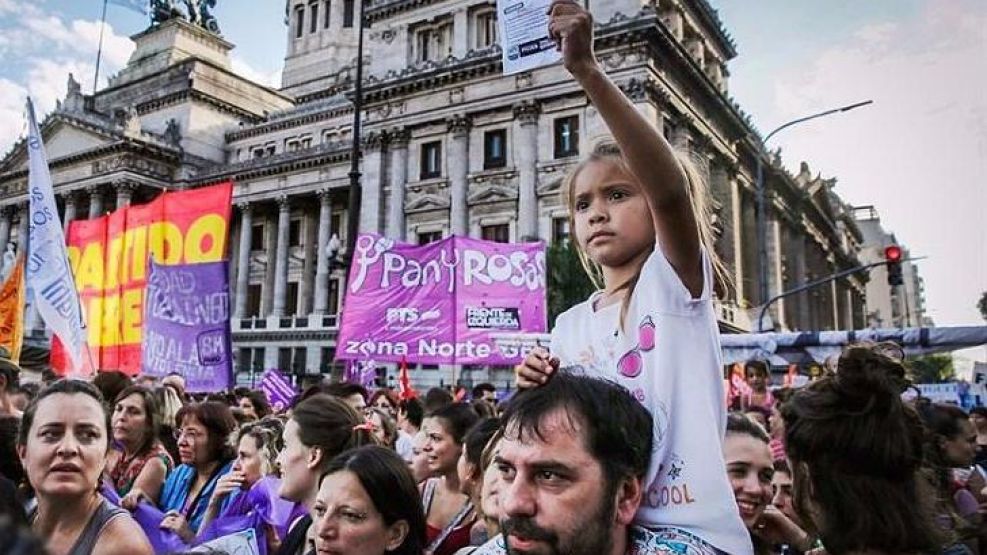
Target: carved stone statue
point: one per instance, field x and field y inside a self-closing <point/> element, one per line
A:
<point x="173" y="132"/>
<point x="7" y="263"/>
<point x="131" y="122"/>
<point x="197" y="12"/>
<point x="163" y="10"/>
<point x="74" y="102"/>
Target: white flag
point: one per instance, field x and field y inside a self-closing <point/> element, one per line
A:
<point x="49" y="274"/>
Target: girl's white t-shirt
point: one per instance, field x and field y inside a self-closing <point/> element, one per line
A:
<point x="668" y="357"/>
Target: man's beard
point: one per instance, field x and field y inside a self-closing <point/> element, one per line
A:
<point x="589" y="537"/>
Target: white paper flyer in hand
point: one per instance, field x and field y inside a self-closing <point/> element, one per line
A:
<point x="524" y="35"/>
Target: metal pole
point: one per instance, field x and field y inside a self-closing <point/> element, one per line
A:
<point x="761" y="214"/>
<point x="816" y="283"/>
<point x="353" y="204"/>
<point x="99" y="50"/>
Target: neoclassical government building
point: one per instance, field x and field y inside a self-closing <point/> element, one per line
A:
<point x="450" y="145"/>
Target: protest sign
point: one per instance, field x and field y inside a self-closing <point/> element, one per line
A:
<point x="109" y="257"/>
<point x="187" y="325"/>
<point x="441" y="303"/>
<point x="524" y="40"/>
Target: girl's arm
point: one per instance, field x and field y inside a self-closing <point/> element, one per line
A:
<point x="649" y="156"/>
<point x="151" y="479"/>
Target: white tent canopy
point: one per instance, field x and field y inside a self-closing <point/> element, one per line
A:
<point x="817" y="346"/>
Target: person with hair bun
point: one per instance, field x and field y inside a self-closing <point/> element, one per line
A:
<point x="855" y="450"/>
<point x="320" y="427"/>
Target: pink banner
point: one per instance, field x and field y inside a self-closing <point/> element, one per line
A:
<point x="441" y="303"/>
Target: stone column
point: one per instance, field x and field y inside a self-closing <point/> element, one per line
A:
<point x="309" y="249"/>
<point x="776" y="280"/>
<point x="737" y="228"/>
<point x="243" y="260"/>
<point x="321" y="304"/>
<point x="398" y="148"/>
<point x="373" y="182"/>
<point x="281" y="258"/>
<point x="526" y="155"/>
<point x="458" y="162"/>
<point x="6" y="215"/>
<point x="125" y="192"/>
<point x="22" y="229"/>
<point x="71" y="209"/>
<point x="95" y="201"/>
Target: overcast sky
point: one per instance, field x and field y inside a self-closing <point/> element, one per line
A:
<point x="919" y="153"/>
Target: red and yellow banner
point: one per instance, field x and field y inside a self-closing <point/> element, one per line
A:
<point x="109" y="257"/>
<point x="12" y="311"/>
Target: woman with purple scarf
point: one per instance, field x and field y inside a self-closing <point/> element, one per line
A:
<point x="248" y="495"/>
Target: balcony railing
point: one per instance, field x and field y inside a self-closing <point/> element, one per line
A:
<point x="273" y="323"/>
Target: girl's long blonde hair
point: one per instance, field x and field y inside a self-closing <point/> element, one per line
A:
<point x="607" y="150"/>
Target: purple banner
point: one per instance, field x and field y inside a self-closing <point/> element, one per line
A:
<point x="187" y="325"/>
<point x="441" y="303"/>
<point x="280" y="393"/>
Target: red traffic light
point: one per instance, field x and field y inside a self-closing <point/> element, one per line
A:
<point x="892" y="253"/>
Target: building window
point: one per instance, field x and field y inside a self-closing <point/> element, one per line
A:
<point x="566" y="137"/>
<point x="291" y="299"/>
<point x="299" y="21"/>
<point x="257" y="363"/>
<point x="486" y="29"/>
<point x="431" y="160"/>
<point x="295" y="233"/>
<point x="433" y="42"/>
<point x="257" y="237"/>
<point x="305" y="142"/>
<point x="336" y="225"/>
<point x="333" y="296"/>
<point x="560" y="230"/>
<point x="495" y="149"/>
<point x="284" y="359"/>
<point x="257" y="152"/>
<point x="290" y="145"/>
<point x="300" y="361"/>
<point x="313" y="17"/>
<point x="348" y="9"/>
<point x="271" y="149"/>
<point x="254" y="292"/>
<point x="426" y="237"/>
<point x="500" y="233"/>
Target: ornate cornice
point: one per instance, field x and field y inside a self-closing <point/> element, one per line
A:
<point x="527" y="112"/>
<point x="288" y="122"/>
<point x="458" y="125"/>
<point x="307" y="158"/>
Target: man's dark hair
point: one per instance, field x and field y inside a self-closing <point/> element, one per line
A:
<point x="413" y="411"/>
<point x="481" y="388"/>
<point x="345" y="389"/>
<point x="436" y="398"/>
<point x="616" y="429"/>
<point x="979" y="411"/>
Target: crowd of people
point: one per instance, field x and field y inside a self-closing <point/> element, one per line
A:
<point x="617" y="440"/>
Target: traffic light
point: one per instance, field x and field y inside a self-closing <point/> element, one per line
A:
<point x="892" y="255"/>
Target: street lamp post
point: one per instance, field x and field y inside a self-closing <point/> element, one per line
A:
<point x="353" y="203"/>
<point x="761" y="209"/>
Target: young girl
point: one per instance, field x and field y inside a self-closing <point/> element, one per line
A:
<point x="634" y="209"/>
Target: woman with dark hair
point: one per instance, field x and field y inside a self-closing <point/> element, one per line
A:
<point x="320" y="428"/>
<point x="855" y="450"/>
<point x="254" y="405"/>
<point x="385" y="400"/>
<point x="449" y="514"/>
<point x="950" y="444"/>
<point x="978" y="417"/>
<point x="471" y="470"/>
<point x="367" y="503"/>
<point x="138" y="466"/>
<point x="206" y="455"/>
<point x="62" y="443"/>
<point x="750" y="470"/>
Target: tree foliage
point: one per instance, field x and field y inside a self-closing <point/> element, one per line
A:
<point x="932" y="369"/>
<point x="568" y="283"/>
<point x="982" y="305"/>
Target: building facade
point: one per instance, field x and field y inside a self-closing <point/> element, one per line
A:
<point x="449" y="146"/>
<point x="889" y="306"/>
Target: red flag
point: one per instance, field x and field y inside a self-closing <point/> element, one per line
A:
<point x="405" y="391"/>
<point x="793" y="370"/>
